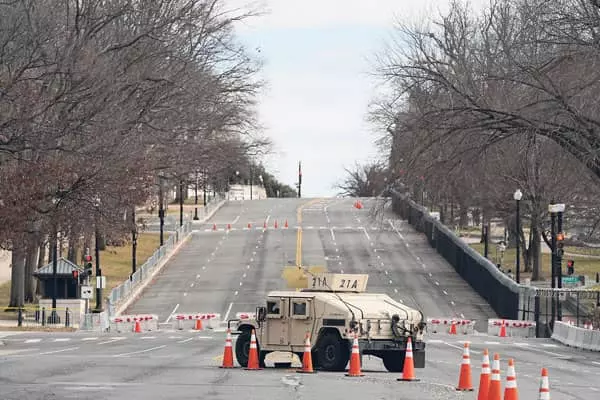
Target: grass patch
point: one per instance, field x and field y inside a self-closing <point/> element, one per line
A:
<point x="583" y="265"/>
<point x="587" y="251"/>
<point x="115" y="263"/>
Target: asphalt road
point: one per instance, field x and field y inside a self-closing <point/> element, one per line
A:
<point x="227" y="271"/>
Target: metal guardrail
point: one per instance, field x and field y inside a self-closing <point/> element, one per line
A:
<point x="42" y="317"/>
<point x="125" y="290"/>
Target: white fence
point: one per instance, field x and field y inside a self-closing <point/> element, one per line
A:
<point x="573" y="336"/>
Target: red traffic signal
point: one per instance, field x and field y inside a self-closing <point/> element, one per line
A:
<point x="87" y="258"/>
<point x="75" y="274"/>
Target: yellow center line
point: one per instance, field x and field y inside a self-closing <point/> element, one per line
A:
<point x="299" y="233"/>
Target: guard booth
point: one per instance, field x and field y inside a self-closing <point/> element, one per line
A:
<point x="68" y="296"/>
<point x="67" y="287"/>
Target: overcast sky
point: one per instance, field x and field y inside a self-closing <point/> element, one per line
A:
<point x="318" y="55"/>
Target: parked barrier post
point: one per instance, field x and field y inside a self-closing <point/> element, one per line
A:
<point x="536" y="300"/>
<point x="43" y="316"/>
<point x="67" y="317"/>
<point x="20" y="317"/>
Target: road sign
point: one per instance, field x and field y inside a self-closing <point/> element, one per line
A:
<point x="86" y="292"/>
<point x="570" y="279"/>
<point x="562" y="296"/>
<point x="101" y="282"/>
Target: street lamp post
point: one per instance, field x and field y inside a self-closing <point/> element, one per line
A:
<point x="196" y="199"/>
<point x="161" y="209"/>
<point x="97" y="251"/>
<point x="133" y="241"/>
<point x="518" y="195"/>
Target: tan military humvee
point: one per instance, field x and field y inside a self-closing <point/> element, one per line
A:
<point x="332" y="310"/>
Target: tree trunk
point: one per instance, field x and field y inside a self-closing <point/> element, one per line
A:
<point x="476" y="216"/>
<point x="72" y="253"/>
<point x="17" y="278"/>
<point x="42" y="257"/>
<point x="536" y="251"/>
<point x="31" y="262"/>
<point x="463" y="217"/>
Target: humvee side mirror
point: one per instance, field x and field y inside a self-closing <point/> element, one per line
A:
<point x="261" y="313"/>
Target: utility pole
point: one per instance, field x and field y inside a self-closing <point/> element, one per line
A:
<point x="181" y="202"/>
<point x="556" y="210"/>
<point x="553" y="260"/>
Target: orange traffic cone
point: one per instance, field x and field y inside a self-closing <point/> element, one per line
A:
<point x="307" y="366"/>
<point x="253" y="354"/>
<point x="464" y="380"/>
<point x="495" y="392"/>
<point x="503" y="329"/>
<point x="510" y="390"/>
<point x="408" y="372"/>
<point x="544" y="386"/>
<point x="453" y="328"/>
<point x="355" y="359"/>
<point x="228" y="352"/>
<point x="484" y="379"/>
<point x="138" y="327"/>
<point x="198" y="326"/>
<point x="214" y="227"/>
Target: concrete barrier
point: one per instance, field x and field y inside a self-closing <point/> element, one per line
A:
<point x="574" y="336"/>
<point x="126" y="323"/>
<point x="188" y="321"/>
<point x="443" y="325"/>
<point x="514" y="328"/>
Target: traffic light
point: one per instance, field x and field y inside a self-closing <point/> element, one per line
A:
<point x="560" y="244"/>
<point x="75" y="274"/>
<point x="88" y="265"/>
<point x="570" y="267"/>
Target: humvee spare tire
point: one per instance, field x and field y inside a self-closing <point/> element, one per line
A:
<point x="332" y="353"/>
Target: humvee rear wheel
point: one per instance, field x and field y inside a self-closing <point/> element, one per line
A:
<point x="242" y="350"/>
<point x="394" y="362"/>
<point x="332" y="354"/>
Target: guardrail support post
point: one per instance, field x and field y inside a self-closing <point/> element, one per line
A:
<point x="43" y="316"/>
<point x="20" y="317"/>
<point x="67" y="317"/>
<point x="536" y="317"/>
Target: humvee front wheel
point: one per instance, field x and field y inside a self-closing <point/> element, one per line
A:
<point x="332" y="354"/>
<point x="242" y="350"/>
<point x="394" y="362"/>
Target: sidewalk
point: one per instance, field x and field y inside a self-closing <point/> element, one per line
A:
<point x="5" y="258"/>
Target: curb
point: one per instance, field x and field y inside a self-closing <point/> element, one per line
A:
<point x="136" y="294"/>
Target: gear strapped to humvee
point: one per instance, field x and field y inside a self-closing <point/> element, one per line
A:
<point x="332" y="309"/>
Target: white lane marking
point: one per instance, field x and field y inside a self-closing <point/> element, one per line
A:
<point x="385" y="272"/>
<point x="267" y="220"/>
<point x="341" y="270"/>
<point x="396" y="291"/>
<point x="247" y="266"/>
<point x="462" y="347"/>
<point x="462" y="316"/>
<point x="337" y="250"/>
<point x="185" y="340"/>
<point x="446" y="293"/>
<point x="437" y="283"/>
<point x="492" y="342"/>
<point x="59" y="351"/>
<point x="390" y="281"/>
<point x="172" y="313"/>
<point x="113" y="340"/>
<point x="148" y="337"/>
<point x="451" y="302"/>
<point x="192" y="284"/>
<point x="241" y="283"/>
<point x="228" y="311"/>
<point x="61" y="339"/>
<point x="378" y="256"/>
<point x="332" y="235"/>
<point x="366" y="234"/>
<point x="33" y="340"/>
<point x="197" y="276"/>
<point x="252" y="260"/>
<point x="243" y="276"/>
<point x="596" y="362"/>
<point x="435" y="341"/>
<point x="140" y="351"/>
<point x="87" y="339"/>
<point x="235" y="220"/>
<point x="236" y="293"/>
<point x="395" y="230"/>
<point x="184" y="294"/>
<point x="549" y="345"/>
